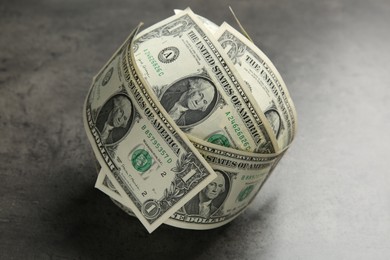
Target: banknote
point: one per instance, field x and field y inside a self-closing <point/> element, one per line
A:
<point x="264" y="81"/>
<point x="147" y="157"/>
<point x="199" y="87"/>
<point x="239" y="178"/>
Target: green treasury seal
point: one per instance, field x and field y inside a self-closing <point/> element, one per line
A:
<point x="141" y="160"/>
<point x="219" y="140"/>
<point x="245" y="192"/>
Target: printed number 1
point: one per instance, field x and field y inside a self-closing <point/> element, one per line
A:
<point x="151" y="208"/>
<point x="189" y="175"/>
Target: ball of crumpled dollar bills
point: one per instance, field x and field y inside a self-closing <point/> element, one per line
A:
<point x="187" y="121"/>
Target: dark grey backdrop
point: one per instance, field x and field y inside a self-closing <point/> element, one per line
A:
<point x="328" y="199"/>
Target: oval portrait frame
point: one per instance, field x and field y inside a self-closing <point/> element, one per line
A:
<point x="193" y="204"/>
<point x="103" y="114"/>
<point x="202" y="115"/>
<point x="274" y="110"/>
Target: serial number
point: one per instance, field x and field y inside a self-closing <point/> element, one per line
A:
<point x="156" y="144"/>
<point x="238" y="131"/>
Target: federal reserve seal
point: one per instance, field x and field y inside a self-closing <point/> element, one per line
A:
<point x="141" y="160"/>
<point x="168" y="54"/>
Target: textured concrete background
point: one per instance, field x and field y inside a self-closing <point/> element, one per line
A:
<point x="329" y="198"/>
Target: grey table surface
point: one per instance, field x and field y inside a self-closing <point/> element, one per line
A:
<point x="329" y="198"/>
